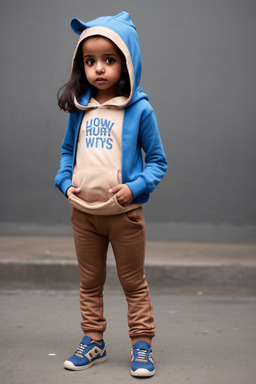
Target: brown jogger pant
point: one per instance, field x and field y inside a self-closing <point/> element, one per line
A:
<point x="126" y="233"/>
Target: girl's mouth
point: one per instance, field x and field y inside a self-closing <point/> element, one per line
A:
<point x="100" y="80"/>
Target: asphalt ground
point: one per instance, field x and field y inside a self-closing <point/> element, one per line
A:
<point x="199" y="339"/>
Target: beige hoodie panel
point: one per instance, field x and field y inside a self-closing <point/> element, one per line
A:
<point x="100" y="138"/>
<point x="99" y="160"/>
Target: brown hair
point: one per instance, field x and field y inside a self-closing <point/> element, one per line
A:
<point x="78" y="84"/>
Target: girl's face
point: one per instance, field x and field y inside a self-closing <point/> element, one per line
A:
<point x="103" y="65"/>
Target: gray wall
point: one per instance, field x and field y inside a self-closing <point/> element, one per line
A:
<point x="199" y="61"/>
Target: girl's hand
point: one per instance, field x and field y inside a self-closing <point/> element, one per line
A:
<point x="124" y="195"/>
<point x="73" y="190"/>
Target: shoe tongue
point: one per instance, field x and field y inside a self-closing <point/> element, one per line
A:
<point x="141" y="345"/>
<point x="86" y="340"/>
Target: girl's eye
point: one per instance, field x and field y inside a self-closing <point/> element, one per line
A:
<point x="110" y="60"/>
<point x="89" y="61"/>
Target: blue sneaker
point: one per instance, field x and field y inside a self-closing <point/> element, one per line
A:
<point x="142" y="362"/>
<point x="86" y="355"/>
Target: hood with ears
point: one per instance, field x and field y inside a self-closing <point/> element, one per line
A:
<point x="121" y="30"/>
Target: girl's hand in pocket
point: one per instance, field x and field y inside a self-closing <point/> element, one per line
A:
<point x="124" y="195"/>
<point x="73" y="190"/>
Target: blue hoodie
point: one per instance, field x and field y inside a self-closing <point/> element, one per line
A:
<point x="139" y="130"/>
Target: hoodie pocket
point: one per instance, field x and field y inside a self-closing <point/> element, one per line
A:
<point x="95" y="183"/>
<point x="110" y="207"/>
<point x="94" y="198"/>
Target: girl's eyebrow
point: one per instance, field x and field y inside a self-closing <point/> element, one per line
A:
<point x="105" y="54"/>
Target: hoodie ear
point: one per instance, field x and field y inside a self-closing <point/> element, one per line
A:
<point x="78" y="26"/>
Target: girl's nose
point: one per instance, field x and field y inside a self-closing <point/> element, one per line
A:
<point x="100" y="68"/>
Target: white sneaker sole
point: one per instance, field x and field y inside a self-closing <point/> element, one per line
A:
<point x="72" y="367"/>
<point x="142" y="373"/>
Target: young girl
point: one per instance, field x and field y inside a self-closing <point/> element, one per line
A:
<point x="106" y="181"/>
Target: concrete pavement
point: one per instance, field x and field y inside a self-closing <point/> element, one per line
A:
<point x="200" y="339"/>
<point x="34" y="262"/>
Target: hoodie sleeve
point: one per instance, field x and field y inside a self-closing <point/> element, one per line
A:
<point x="63" y="179"/>
<point x="155" y="159"/>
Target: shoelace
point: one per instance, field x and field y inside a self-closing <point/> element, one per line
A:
<point x="81" y="348"/>
<point x="141" y="354"/>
